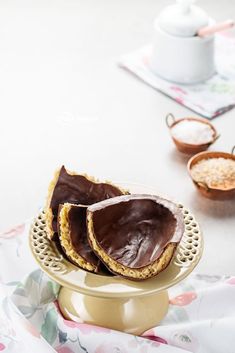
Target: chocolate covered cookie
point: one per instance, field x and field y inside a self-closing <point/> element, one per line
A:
<point x="135" y="235"/>
<point x="76" y="189"/>
<point x="72" y="232"/>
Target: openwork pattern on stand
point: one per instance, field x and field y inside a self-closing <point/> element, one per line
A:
<point x="191" y="243"/>
<point x="44" y="249"/>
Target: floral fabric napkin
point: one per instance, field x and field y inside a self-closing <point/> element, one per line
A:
<point x="210" y="98"/>
<point x="201" y="316"/>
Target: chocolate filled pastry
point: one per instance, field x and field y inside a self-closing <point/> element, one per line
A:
<point x="135" y="235"/>
<point x="72" y="232"/>
<point x="76" y="189"/>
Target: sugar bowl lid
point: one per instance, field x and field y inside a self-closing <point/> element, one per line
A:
<point x="182" y="19"/>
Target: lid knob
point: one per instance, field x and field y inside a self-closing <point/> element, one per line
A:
<point x="185" y="5"/>
<point x="182" y="19"/>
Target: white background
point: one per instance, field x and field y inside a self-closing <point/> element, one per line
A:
<point x="63" y="100"/>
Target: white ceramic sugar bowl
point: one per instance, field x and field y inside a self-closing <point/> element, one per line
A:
<point x="179" y="54"/>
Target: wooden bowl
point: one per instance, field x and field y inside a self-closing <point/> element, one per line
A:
<point x="187" y="147"/>
<point x="205" y="190"/>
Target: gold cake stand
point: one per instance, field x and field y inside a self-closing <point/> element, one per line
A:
<point x="112" y="301"/>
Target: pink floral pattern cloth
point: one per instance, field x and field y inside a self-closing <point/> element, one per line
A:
<point x="210" y="98"/>
<point x="201" y="317"/>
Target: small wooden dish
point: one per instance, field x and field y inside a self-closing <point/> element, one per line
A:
<point x="205" y="190"/>
<point x="187" y="147"/>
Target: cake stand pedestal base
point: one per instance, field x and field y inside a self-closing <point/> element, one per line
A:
<point x="133" y="315"/>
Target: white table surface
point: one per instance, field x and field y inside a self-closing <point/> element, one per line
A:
<point x="65" y="101"/>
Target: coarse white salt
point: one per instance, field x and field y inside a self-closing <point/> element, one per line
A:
<point x="215" y="172"/>
<point x="192" y="132"/>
